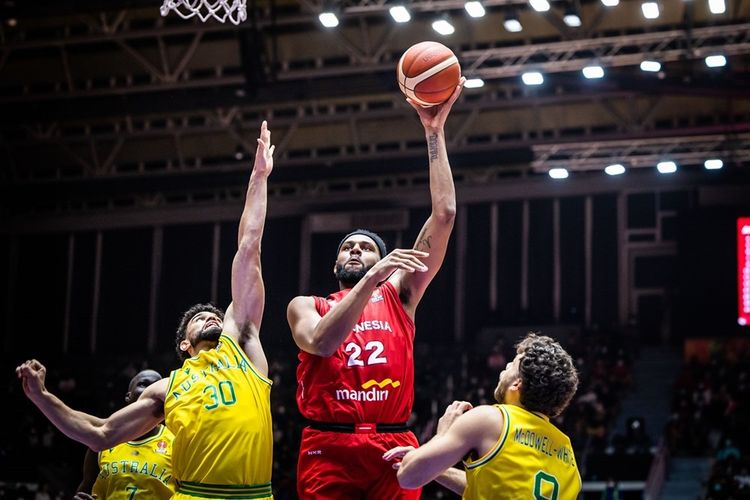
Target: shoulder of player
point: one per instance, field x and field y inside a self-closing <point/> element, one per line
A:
<point x="481" y="420"/>
<point x="156" y="391"/>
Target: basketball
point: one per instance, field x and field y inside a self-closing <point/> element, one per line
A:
<point x="428" y="73"/>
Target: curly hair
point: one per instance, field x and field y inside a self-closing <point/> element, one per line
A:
<point x="186" y="317"/>
<point x="548" y="376"/>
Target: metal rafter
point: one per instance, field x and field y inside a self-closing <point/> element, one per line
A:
<point x="644" y="152"/>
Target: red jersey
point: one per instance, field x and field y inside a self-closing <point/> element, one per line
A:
<point x="370" y="377"/>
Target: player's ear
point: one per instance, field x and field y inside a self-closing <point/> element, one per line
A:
<point x="185" y="345"/>
<point x="128" y="397"/>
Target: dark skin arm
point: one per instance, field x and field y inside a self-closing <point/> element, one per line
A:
<point x="90" y="472"/>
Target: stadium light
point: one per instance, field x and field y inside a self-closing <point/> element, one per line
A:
<point x="328" y="19"/>
<point x="713" y="164"/>
<point x="539" y="5"/>
<point x="571" y="18"/>
<point x="400" y="14"/>
<point x="716" y="61"/>
<point x="532" y="78"/>
<point x="558" y="173"/>
<point x="615" y="169"/>
<point x="666" y="167"/>
<point x="610" y="3"/>
<point x="512" y="24"/>
<point x="717" y="6"/>
<point x="474" y="8"/>
<point x="650" y="66"/>
<point x="650" y="10"/>
<point x="443" y="27"/>
<point x="593" y="71"/>
<point x="474" y="83"/>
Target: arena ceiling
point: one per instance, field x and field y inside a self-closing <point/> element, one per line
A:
<point x="121" y="108"/>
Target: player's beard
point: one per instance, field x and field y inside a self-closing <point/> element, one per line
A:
<point x="212" y="333"/>
<point x="350" y="278"/>
<point x="500" y="391"/>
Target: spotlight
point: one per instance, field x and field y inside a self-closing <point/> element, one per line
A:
<point x="328" y="19"/>
<point x="512" y="24"/>
<point x="400" y="14"/>
<point x="615" y="169"/>
<point x="716" y="61"/>
<point x="717" y="6"/>
<point x="610" y="3"/>
<point x="474" y="8"/>
<point x="571" y="18"/>
<point x="443" y="27"/>
<point x="650" y="10"/>
<point x="593" y="71"/>
<point x="532" y="78"/>
<point x="558" y="173"/>
<point x="474" y="83"/>
<point x="651" y="66"/>
<point x="666" y="167"/>
<point x="713" y="164"/>
<point x="539" y="5"/>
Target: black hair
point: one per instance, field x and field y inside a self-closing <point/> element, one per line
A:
<point x="186" y="317"/>
<point x="374" y="236"/>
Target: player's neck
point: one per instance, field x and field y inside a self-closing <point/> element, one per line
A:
<point x="204" y="345"/>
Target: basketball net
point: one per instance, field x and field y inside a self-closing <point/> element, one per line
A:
<point x="221" y="10"/>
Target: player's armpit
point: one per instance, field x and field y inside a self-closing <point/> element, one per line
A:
<point x="133" y="420"/>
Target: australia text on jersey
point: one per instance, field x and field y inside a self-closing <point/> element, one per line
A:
<point x="135" y="467"/>
<point x="222" y="363"/>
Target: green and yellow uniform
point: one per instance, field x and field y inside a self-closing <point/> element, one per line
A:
<point x="532" y="459"/>
<point x="219" y="407"/>
<point x="137" y="469"/>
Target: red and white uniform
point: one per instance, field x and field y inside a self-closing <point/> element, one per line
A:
<point x="368" y="380"/>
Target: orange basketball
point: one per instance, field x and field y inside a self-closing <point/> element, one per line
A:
<point x="428" y="73"/>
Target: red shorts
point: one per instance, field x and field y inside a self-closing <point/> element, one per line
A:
<point x="343" y="466"/>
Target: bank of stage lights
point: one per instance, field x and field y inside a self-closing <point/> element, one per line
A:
<point x="663" y="167"/>
<point x="442" y="25"/>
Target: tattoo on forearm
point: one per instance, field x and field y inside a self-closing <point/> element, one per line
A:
<point x="432" y="146"/>
<point x="424" y="242"/>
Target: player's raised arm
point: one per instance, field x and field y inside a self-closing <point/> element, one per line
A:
<point x="244" y="314"/>
<point x="126" y="424"/>
<point x="434" y="236"/>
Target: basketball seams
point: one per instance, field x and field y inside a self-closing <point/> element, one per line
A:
<point x="412" y="82"/>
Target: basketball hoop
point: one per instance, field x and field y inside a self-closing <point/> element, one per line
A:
<point x="221" y="10"/>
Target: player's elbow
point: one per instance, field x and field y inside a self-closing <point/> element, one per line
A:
<point x="322" y="347"/>
<point x="445" y="213"/>
<point x="408" y="474"/>
<point x="406" y="479"/>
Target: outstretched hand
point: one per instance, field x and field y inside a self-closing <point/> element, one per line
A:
<point x="264" y="152"/>
<point x="406" y="260"/>
<point x="397" y="454"/>
<point x="434" y="117"/>
<point x="32" y="374"/>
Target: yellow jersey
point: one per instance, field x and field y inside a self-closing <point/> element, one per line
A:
<point x="137" y="469"/>
<point x="531" y="459"/>
<point x="219" y="408"/>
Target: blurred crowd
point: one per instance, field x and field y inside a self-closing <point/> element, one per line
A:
<point x="711" y="412"/>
